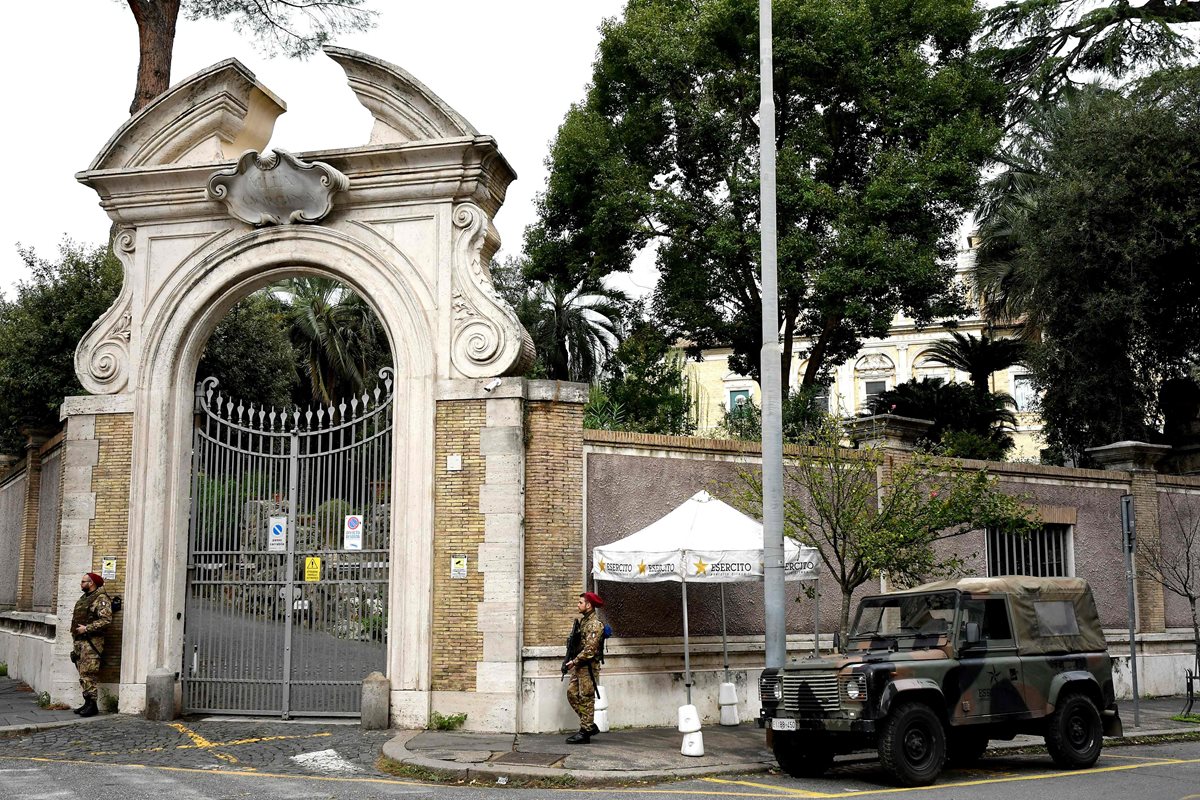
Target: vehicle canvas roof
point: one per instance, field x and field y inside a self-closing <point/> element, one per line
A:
<point x="1027" y="595"/>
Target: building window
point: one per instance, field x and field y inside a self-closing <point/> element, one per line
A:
<point x="873" y="388"/>
<point x="738" y="398"/>
<point x="1024" y="393"/>
<point x="874" y="373"/>
<point x="1047" y="553"/>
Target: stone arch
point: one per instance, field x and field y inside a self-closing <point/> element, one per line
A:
<point x="158" y="495"/>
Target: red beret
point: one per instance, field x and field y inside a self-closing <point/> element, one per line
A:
<point x="96" y="579"/>
<point x="592" y="598"/>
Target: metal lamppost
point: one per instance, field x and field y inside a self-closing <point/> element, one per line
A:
<point x="772" y="411"/>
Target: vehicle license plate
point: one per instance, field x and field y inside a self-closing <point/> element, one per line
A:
<point x="778" y="724"/>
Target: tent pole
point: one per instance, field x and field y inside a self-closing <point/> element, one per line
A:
<point x="687" y="660"/>
<point x="724" y="638"/>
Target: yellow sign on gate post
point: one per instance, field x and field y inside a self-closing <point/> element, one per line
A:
<point x="312" y="569"/>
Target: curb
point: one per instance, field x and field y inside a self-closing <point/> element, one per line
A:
<point x="8" y="731"/>
<point x="396" y="749"/>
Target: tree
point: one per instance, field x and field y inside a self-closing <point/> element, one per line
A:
<point x="1174" y="561"/>
<point x="339" y="343"/>
<point x="978" y="356"/>
<point x="801" y="410"/>
<point x="966" y="424"/>
<point x="884" y="117"/>
<point x="645" y="379"/>
<point x="40" y="328"/>
<point x="1101" y="256"/>
<point x="250" y="352"/>
<point x="863" y="527"/>
<point x="296" y="28"/>
<point x="1038" y="47"/>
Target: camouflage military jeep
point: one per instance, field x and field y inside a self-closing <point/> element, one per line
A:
<point x="932" y="674"/>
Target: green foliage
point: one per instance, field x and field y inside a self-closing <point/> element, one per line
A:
<point x="978" y="356"/>
<point x="295" y="28"/>
<point x="966" y="423"/>
<point x="43" y="700"/>
<point x="883" y="120"/>
<point x="1093" y="237"/>
<point x="109" y="702"/>
<point x="647" y="383"/>
<point x="250" y="353"/>
<point x="331" y="521"/>
<point x="40" y="328"/>
<point x="448" y="722"/>
<point x="801" y="410"/>
<point x="601" y="412"/>
<point x="339" y="342"/>
<point x="1038" y="47"/>
<point x="3" y="669"/>
<point x="833" y="503"/>
<point x="219" y="503"/>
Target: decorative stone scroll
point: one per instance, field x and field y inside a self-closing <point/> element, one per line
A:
<point x="102" y="356"/>
<point x="488" y="338"/>
<point x="277" y="189"/>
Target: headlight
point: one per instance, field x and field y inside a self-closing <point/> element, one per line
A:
<point x="777" y="690"/>
<point x="854" y="687"/>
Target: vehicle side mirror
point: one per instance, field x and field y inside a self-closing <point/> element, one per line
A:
<point x="837" y="641"/>
<point x="972" y="633"/>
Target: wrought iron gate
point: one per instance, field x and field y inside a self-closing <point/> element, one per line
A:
<point x="286" y="607"/>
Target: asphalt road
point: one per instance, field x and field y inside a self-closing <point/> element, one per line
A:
<point x="1152" y="772"/>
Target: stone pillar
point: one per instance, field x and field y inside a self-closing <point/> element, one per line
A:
<point x="889" y="432"/>
<point x="523" y="551"/>
<point x="29" y="524"/>
<point x="1139" y="460"/>
<point x="97" y="449"/>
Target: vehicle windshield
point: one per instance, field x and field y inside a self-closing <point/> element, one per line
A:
<point x="905" y="615"/>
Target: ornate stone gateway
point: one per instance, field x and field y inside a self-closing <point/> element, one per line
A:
<point x="288" y="553"/>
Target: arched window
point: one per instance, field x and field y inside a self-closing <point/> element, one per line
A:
<point x="873" y="374"/>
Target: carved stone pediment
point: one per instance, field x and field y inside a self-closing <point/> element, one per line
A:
<point x="277" y="189"/>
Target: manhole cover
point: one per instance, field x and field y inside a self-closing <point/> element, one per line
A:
<point x="530" y="759"/>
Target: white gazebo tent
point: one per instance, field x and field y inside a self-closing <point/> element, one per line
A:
<point x="702" y="541"/>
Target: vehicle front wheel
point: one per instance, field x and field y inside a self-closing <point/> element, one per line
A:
<point x="912" y="744"/>
<point x="965" y="748"/>
<point x="802" y="756"/>
<point x="1074" y="734"/>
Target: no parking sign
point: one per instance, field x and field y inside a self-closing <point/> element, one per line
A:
<point x="352" y="532"/>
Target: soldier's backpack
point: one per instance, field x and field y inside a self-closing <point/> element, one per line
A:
<point x="603" y="638"/>
<point x="116" y="603"/>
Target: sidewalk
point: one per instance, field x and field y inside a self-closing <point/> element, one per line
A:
<point x="653" y="754"/>
<point x="19" y="711"/>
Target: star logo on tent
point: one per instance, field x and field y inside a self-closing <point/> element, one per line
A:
<point x="701" y="567"/>
<point x="602" y="565"/>
<point x="642" y="568"/>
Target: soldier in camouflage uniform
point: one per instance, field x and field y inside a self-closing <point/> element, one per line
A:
<point x="584" y="669"/>
<point x="92" y="614"/>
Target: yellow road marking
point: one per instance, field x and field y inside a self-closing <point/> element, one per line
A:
<point x="986" y="781"/>
<point x="776" y="793"/>
<point x="1143" y="758"/>
<point x="786" y="791"/>
<point x="207" y="744"/>
<point x="202" y="743"/>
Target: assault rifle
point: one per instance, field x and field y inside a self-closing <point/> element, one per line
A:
<point x="574" y="645"/>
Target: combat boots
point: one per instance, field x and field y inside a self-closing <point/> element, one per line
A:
<point x="581" y="736"/>
<point x="81" y="708"/>
<point x="89" y="708"/>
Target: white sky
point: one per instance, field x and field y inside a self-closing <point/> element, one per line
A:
<point x="69" y="66"/>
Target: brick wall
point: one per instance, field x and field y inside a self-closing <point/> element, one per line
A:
<point x="553" y="520"/>
<point x="1151" y="605"/>
<point x="458" y="529"/>
<point x="109" y="531"/>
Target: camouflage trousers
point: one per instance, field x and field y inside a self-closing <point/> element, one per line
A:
<point x="89" y="668"/>
<point x="581" y="694"/>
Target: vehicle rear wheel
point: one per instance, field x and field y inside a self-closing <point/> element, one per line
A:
<point x="965" y="748"/>
<point x="912" y="744"/>
<point x="802" y="756"/>
<point x="1074" y="734"/>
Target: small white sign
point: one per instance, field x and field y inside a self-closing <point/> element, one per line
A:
<point x="108" y="567"/>
<point x="352" y="532"/>
<point x="458" y="567"/>
<point x="277" y="535"/>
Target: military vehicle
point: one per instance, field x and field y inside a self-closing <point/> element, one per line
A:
<point x="932" y="674"/>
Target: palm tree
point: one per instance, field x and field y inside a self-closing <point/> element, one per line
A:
<point x="574" y="328"/>
<point x="978" y="356"/>
<point x="338" y="339"/>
